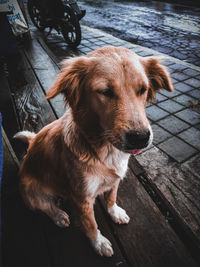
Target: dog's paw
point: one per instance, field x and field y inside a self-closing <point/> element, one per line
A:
<point x="102" y="245"/>
<point x="62" y="219"/>
<point x="118" y="214"/>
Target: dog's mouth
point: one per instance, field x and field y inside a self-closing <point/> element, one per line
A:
<point x="133" y="142"/>
<point x="134" y="152"/>
<point x="133" y="149"/>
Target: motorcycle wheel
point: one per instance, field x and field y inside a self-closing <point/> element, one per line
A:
<point x="35" y="13"/>
<point x="70" y="28"/>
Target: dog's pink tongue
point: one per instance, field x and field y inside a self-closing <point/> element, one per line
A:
<point x="135" y="152"/>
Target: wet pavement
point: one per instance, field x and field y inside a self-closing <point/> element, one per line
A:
<point x="172" y="29"/>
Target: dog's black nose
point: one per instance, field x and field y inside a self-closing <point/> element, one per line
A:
<point x="135" y="140"/>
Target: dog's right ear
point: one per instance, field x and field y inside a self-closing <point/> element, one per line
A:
<point x="70" y="78"/>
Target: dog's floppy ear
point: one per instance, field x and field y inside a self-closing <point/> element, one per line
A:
<point x="70" y="78"/>
<point x="158" y="77"/>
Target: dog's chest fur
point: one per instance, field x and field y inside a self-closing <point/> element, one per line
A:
<point x="103" y="176"/>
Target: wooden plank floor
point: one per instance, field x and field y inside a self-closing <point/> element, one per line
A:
<point x="180" y="192"/>
<point x="33" y="240"/>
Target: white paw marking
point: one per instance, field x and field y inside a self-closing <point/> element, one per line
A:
<point x="102" y="245"/>
<point x="62" y="219"/>
<point x="118" y="214"/>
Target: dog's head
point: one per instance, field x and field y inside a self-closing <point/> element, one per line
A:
<point x="107" y="91"/>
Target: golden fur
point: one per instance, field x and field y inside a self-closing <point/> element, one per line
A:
<point x="84" y="153"/>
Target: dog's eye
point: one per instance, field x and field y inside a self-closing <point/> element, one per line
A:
<point x="108" y="92"/>
<point x="142" y="90"/>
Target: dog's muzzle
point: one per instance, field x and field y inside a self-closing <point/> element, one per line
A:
<point x="134" y="140"/>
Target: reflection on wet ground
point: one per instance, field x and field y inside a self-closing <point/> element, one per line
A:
<point x="169" y="28"/>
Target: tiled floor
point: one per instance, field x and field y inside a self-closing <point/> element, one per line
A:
<point x="173" y="124"/>
<point x="177" y="149"/>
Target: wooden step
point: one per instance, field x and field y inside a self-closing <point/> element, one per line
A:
<point x="23" y="242"/>
<point x="177" y="188"/>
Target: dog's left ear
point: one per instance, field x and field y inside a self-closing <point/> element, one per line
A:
<point x="69" y="80"/>
<point x="158" y="77"/>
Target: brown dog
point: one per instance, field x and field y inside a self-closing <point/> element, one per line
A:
<point x="85" y="153"/>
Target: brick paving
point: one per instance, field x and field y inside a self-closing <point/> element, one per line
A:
<point x="177" y="149"/>
<point x="176" y="125"/>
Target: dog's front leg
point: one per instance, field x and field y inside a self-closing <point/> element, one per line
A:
<point x="117" y="214"/>
<point x="101" y="244"/>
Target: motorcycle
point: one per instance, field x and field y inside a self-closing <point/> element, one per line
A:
<point x="61" y="15"/>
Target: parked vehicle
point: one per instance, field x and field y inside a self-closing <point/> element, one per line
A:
<point x="61" y="15"/>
